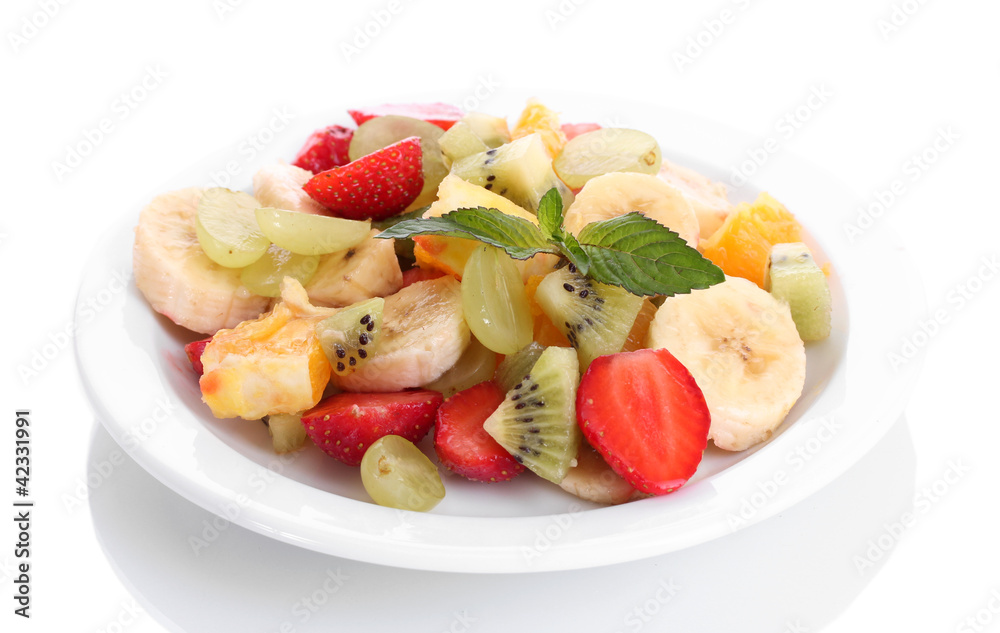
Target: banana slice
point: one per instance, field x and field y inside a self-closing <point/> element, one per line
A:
<point x="708" y="199"/>
<point x="593" y="480"/>
<point x="615" y="194"/>
<point x="177" y="278"/>
<point x="280" y="186"/>
<point x="423" y="334"/>
<point x="368" y="269"/>
<point x="742" y="348"/>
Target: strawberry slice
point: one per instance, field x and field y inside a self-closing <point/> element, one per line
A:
<point x="442" y="115"/>
<point x="194" y="350"/>
<point x="376" y="186"/>
<point x="413" y="275"/>
<point x="461" y="443"/>
<point x="646" y="415"/>
<point x="325" y="149"/>
<point x="572" y="130"/>
<point x="346" y="424"/>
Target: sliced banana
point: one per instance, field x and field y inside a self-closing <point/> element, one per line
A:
<point x="369" y="269"/>
<point x="280" y="186"/>
<point x="593" y="480"/>
<point x="708" y="199"/>
<point x="178" y="280"/>
<point x="423" y="334"/>
<point x="742" y="348"/>
<point x="615" y="194"/>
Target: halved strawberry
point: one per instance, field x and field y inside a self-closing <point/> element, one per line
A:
<point x="375" y="186"/>
<point x="415" y="274"/>
<point x="346" y="424"/>
<point x="646" y="415"/>
<point x="194" y="350"/>
<point x="442" y="115"/>
<point x="461" y="443"/>
<point x="572" y="130"/>
<point x="325" y="149"/>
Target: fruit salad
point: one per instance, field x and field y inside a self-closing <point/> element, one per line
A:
<point x="545" y="299"/>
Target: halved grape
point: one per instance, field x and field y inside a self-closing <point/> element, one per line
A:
<point x="495" y="302"/>
<point x="397" y="475"/>
<point x="307" y="234"/>
<point x="476" y="364"/>
<point x="475" y="133"/>
<point x="604" y="151"/>
<point x="227" y="228"/>
<point x="263" y="277"/>
<point x="383" y="131"/>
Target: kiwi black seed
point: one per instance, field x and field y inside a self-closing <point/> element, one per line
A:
<point x="536" y="423"/>
<point x="348" y="337"/>
<point x="595" y="317"/>
<point x="517" y="366"/>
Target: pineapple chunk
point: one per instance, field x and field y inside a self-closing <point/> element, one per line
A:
<point x="271" y="365"/>
<point x="536" y="118"/>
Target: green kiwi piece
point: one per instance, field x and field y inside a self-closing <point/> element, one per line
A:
<point x="595" y="317"/>
<point x="536" y="423"/>
<point x="517" y="365"/>
<point x="348" y="337"/>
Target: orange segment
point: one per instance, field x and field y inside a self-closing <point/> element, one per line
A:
<point x="637" y="335"/>
<point x="538" y="118"/>
<point x="743" y="243"/>
<point x="545" y="332"/>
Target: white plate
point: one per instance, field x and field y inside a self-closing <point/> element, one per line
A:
<point x="133" y="366"/>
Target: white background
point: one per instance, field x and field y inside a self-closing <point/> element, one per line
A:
<point x="224" y="68"/>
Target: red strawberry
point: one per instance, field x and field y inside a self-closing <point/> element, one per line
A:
<point x="572" y="130"/>
<point x="442" y="115"/>
<point x="460" y="441"/>
<point x="413" y="275"/>
<point x="375" y="186"/>
<point x="194" y="351"/>
<point x="646" y="415"/>
<point x="325" y="149"/>
<point x="346" y="424"/>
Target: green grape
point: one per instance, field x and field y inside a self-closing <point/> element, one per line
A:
<point x="476" y="364"/>
<point x="263" y="277"/>
<point x="397" y="475"/>
<point x="227" y="228"/>
<point x="495" y="302"/>
<point x="306" y="234"/>
<point x="383" y="131"/>
<point x="604" y="151"/>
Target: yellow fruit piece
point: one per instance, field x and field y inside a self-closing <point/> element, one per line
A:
<point x="637" y="335"/>
<point x="742" y="245"/>
<point x="273" y="364"/>
<point x="538" y="118"/>
<point x="544" y="332"/>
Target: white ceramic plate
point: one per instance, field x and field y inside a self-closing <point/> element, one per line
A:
<point x="133" y="366"/>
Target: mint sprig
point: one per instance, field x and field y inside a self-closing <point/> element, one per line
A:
<point x="631" y="251"/>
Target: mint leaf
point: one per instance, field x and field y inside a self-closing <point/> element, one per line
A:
<point x="550" y="213"/>
<point x="572" y="250"/>
<point x="518" y="237"/>
<point x="645" y="257"/>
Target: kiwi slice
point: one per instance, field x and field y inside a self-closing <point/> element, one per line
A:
<point x="348" y="337"/>
<point x="518" y="365"/>
<point x="794" y="277"/>
<point x="536" y="423"/>
<point x="595" y="317"/>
